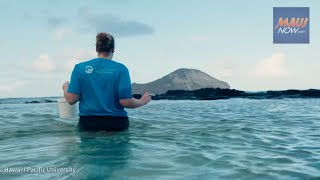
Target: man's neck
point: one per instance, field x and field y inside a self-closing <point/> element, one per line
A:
<point x="103" y="56"/>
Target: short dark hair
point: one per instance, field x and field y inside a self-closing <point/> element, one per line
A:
<point x="104" y="42"/>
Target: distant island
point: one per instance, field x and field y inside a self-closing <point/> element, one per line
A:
<point x="196" y="85"/>
<point x="180" y="79"/>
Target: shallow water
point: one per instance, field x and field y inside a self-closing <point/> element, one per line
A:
<point x="223" y="139"/>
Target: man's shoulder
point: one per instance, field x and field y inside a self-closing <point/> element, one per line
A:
<point x="90" y="61"/>
<point x="93" y="62"/>
<point x="86" y="63"/>
<point x="121" y="66"/>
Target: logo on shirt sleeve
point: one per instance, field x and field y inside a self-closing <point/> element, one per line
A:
<point x="89" y="69"/>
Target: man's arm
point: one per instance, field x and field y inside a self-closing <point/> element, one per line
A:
<point x="135" y="103"/>
<point x="70" y="97"/>
<point x="125" y="92"/>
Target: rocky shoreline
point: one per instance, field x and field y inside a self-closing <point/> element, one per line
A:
<point x="208" y="94"/>
<point x="37" y="101"/>
<point x="217" y="93"/>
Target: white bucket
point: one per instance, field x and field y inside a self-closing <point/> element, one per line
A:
<point x="66" y="110"/>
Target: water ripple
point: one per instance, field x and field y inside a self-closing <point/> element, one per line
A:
<point x="225" y="139"/>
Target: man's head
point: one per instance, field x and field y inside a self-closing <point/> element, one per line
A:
<point x="104" y="44"/>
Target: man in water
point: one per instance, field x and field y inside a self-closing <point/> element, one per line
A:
<point x="103" y="89"/>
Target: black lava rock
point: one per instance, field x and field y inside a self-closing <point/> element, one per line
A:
<point x="32" y="102"/>
<point x="217" y="93"/>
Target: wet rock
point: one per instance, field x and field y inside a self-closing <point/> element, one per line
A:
<point x="32" y="102"/>
<point x="49" y="101"/>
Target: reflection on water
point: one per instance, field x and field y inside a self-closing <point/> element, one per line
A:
<point x="238" y="138"/>
<point x="100" y="155"/>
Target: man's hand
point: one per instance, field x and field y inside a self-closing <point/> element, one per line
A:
<point x="135" y="103"/>
<point x="145" y="98"/>
<point x="65" y="86"/>
<point x="70" y="97"/>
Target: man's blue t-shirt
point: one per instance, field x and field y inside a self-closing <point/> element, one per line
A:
<point x="101" y="83"/>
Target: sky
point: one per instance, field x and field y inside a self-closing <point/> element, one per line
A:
<point x="231" y="40"/>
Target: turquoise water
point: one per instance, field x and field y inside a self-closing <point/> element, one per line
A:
<point x="223" y="139"/>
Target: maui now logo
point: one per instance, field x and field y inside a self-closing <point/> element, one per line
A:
<point x="291" y="25"/>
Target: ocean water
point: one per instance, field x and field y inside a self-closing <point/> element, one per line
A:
<point x="222" y="139"/>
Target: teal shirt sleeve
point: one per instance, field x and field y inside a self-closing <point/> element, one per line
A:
<point x="74" y="85"/>
<point x="124" y="89"/>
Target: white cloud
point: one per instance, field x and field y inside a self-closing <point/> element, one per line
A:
<point x="222" y="69"/>
<point x="70" y="64"/>
<point x="44" y="64"/>
<point x="12" y="86"/>
<point x="225" y="68"/>
<point x="61" y="33"/>
<point x="264" y="74"/>
<point x="79" y="54"/>
<point x="226" y="72"/>
<point x="74" y="56"/>
<point x="61" y="62"/>
<point x="272" y="67"/>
